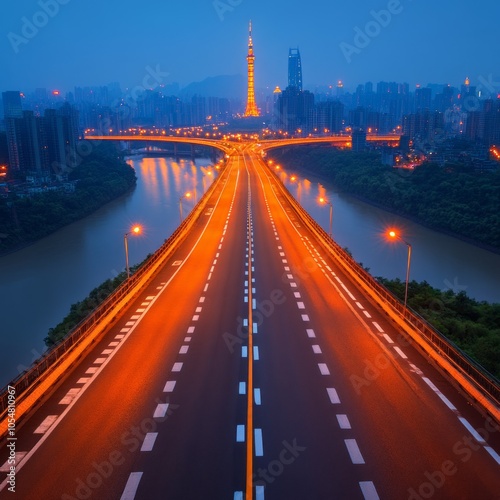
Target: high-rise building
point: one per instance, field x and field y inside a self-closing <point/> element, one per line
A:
<point x="38" y="145"/>
<point x="12" y="112"/>
<point x="12" y="107"/>
<point x="423" y="96"/>
<point x="294" y="69"/>
<point x="294" y="109"/>
<point x="251" y="109"/>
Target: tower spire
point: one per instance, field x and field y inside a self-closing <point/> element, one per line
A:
<point x="251" y="109"/>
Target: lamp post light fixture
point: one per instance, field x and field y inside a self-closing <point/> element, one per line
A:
<point x="186" y="195"/>
<point x="395" y="236"/>
<point x="325" y="201"/>
<point x="134" y="230"/>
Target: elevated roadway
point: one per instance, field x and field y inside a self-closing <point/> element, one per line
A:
<point x="252" y="367"/>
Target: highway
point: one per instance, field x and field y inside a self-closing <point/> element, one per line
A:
<point x="252" y="367"/>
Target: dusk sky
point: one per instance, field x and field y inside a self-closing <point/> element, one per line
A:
<point x="95" y="42"/>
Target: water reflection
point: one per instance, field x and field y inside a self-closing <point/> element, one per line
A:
<point x="443" y="261"/>
<point x="39" y="283"/>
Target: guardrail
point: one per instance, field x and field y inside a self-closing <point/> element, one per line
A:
<point x="26" y="382"/>
<point x="487" y="383"/>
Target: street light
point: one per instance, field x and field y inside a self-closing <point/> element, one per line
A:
<point x="323" y="201"/>
<point x="134" y="230"/>
<point x="187" y="195"/>
<point x="395" y="236"/>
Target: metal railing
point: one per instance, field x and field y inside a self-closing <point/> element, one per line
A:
<point x="31" y="378"/>
<point x="484" y="380"/>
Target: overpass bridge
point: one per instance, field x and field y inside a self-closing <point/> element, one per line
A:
<point x="252" y="358"/>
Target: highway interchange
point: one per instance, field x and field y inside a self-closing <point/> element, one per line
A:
<point x="252" y="367"/>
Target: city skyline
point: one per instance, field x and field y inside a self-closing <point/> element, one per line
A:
<point x="58" y="45"/>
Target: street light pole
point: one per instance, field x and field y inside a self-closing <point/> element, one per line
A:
<point x="331" y="219"/>
<point x="187" y="195"/>
<point x="134" y="230"/>
<point x="125" y="239"/>
<point x="323" y="200"/>
<point x="394" y="235"/>
<point x="407" y="271"/>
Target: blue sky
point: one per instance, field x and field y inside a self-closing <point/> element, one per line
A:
<point x="94" y="42"/>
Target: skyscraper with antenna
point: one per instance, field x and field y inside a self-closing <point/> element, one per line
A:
<point x="251" y="109"/>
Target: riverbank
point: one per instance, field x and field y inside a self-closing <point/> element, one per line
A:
<point x="454" y="201"/>
<point x="473" y="326"/>
<point x="41" y="281"/>
<point x="101" y="177"/>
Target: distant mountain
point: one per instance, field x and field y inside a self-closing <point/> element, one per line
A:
<point x="230" y="86"/>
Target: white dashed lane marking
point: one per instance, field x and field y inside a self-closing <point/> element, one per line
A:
<point x="149" y="441"/>
<point x="169" y="386"/>
<point x="332" y="394"/>
<point x="240" y="433"/>
<point x="71" y="394"/>
<point x="161" y="410"/>
<point x="343" y="421"/>
<point x="368" y="490"/>
<point x="131" y="487"/>
<point x="323" y="369"/>
<point x="46" y="424"/>
<point x="354" y="451"/>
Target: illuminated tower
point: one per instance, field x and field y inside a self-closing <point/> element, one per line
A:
<point x="252" y="109"/>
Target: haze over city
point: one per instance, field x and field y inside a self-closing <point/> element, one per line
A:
<point x="249" y="250"/>
<point x="94" y="43"/>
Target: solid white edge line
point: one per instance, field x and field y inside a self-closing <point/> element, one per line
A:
<point x="400" y="352"/>
<point x="471" y="429"/>
<point x="493" y="453"/>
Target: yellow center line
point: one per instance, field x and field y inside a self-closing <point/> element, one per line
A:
<point x="249" y="480"/>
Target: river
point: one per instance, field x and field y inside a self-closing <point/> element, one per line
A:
<point x="40" y="282"/>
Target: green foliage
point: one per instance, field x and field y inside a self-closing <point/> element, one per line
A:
<point x="101" y="177"/>
<point x="81" y="310"/>
<point x="472" y="325"/>
<point x="453" y="199"/>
